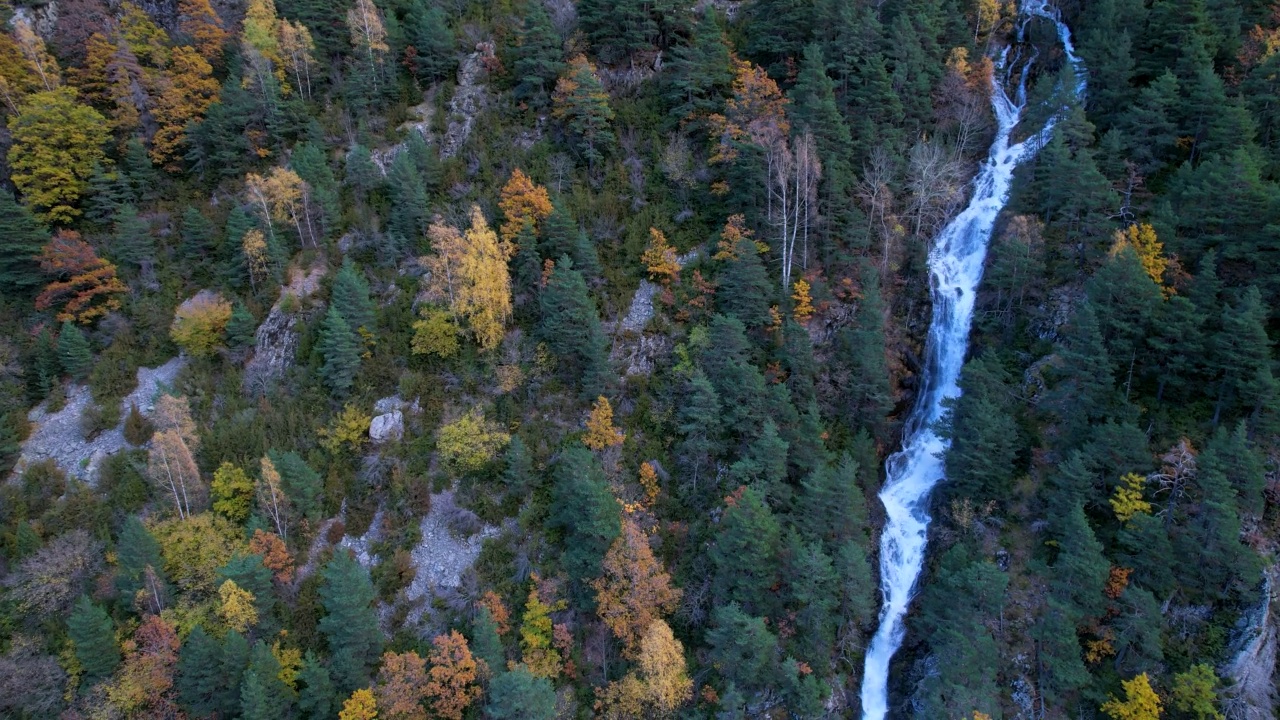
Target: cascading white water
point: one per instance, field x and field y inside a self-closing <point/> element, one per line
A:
<point x="955" y="266"/>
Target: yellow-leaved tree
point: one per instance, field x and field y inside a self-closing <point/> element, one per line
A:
<point x="803" y="309"/>
<point x="56" y="141"/>
<point x="1127" y="500"/>
<point x="484" y="297"/>
<point x="660" y="258"/>
<point x="601" y="433"/>
<point x="236" y="609"/>
<point x="199" y="323"/>
<point x="470" y="442"/>
<point x="360" y="706"/>
<point x="657" y="687"/>
<point x="1140" y="701"/>
<point x="634" y="590"/>
<point x="1142" y="238"/>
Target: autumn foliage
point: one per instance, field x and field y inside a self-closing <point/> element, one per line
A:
<point x="85" y="286"/>
<point x="402" y="687"/>
<point x="660" y="258"/>
<point x="601" y="433"/>
<point x="521" y="200"/>
<point x="452" y="686"/>
<point x="199" y="323"/>
<point x="634" y="590"/>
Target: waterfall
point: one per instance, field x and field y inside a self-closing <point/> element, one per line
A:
<point x="955" y="268"/>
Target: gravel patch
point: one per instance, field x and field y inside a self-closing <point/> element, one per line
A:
<point x="441" y="556"/>
<point x="57" y="436"/>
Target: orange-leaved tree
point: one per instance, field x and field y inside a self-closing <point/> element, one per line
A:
<point x="452" y="687"/>
<point x="401" y="689"/>
<point x="660" y="258"/>
<point x="275" y="555"/>
<point x="634" y="590"/>
<point x="85" y="286"/>
<point x="521" y="200"/>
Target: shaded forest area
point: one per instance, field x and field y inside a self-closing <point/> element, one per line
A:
<point x="629" y="297"/>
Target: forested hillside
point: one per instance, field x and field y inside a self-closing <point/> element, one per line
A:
<point x="408" y="359"/>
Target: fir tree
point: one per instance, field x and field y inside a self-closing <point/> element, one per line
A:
<point x="362" y="175"/>
<point x="520" y="695"/>
<point x="585" y="511"/>
<point x="833" y="504"/>
<point x="74" y="352"/>
<point x="235" y="658"/>
<point x="699" y="75"/>
<point x="263" y="696"/>
<point x="744" y="556"/>
<point x="316" y="697"/>
<point x="199" y="676"/>
<point x="198" y="235"/>
<point x="435" y="48"/>
<point x="45" y="366"/>
<point x="745" y="289"/>
<point x="21" y="238"/>
<point x="571" y="328"/>
<point x="739" y="385"/>
<point x="486" y="644"/>
<point x="868" y="393"/>
<point x="132" y="242"/>
<point x="350" y="624"/>
<point x="340" y="348"/>
<point x="408" y="195"/>
<point x="1080" y="570"/>
<point x="308" y="161"/>
<point x="350" y="295"/>
<point x="983" y="433"/>
<point x="241" y="327"/>
<point x="93" y="637"/>
<point x="136" y="551"/>
<point x="742" y="647"/>
<point x="539" y="58"/>
<point x="583" y="105"/>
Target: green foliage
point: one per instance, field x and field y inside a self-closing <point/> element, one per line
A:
<point x="199" y="680"/>
<point x="744" y="555"/>
<point x="539" y="58"/>
<point x="263" y="696"/>
<point x="350" y="624"/>
<point x="93" y="637"/>
<point x="584" y="510"/>
<point x="350" y="296"/>
<point x="74" y="352"/>
<point x="741" y="648"/>
<point x="340" y="347"/>
<point x="571" y="329"/>
<point x="519" y="695"/>
<point x="21" y="238"/>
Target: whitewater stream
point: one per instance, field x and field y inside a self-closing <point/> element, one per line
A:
<point x="955" y="267"/>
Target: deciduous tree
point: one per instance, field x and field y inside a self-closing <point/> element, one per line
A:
<point x="84" y="285"/>
<point x="600" y="431"/>
<point x="401" y="688"/>
<point x="634" y="590"/>
<point x="1140" y="701"/>
<point x="200" y="322"/>
<point x="55" y="143"/>
<point x="522" y="201"/>
<point x="452" y="686"/>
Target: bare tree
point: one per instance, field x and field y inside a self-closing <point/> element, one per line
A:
<point x="875" y="193"/>
<point x="793" y="198"/>
<point x="936" y="183"/>
<point x="46" y="583"/>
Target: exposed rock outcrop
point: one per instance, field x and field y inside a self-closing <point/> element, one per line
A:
<point x="469" y="99"/>
<point x="276" y="341"/>
<point x="1252" y="667"/>
<point x="387" y="428"/>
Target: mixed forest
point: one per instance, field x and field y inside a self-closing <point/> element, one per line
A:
<point x="539" y="359"/>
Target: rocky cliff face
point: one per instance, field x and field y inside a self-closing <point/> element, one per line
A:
<point x="276" y="340"/>
<point x="1252" y="668"/>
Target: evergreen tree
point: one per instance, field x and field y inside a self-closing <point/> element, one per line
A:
<point x="425" y="158"/>
<point x="21" y="238"/>
<point x="745" y="290"/>
<point x="235" y="658"/>
<point x="518" y="475"/>
<point x="811" y="592"/>
<point x="241" y="327"/>
<point x="1231" y="455"/>
<point x="309" y="162"/>
<point x="1243" y="357"/>
<point x="583" y="105"/>
<point x="199" y="676"/>
<point x="833" y="504"/>
<point x="764" y="466"/>
<point x="739" y="385"/>
<point x="520" y="695"/>
<point x="249" y="574"/>
<point x="617" y="28"/>
<point x="868" y="393"/>
<point x="408" y="195"/>
<point x="132" y="242"/>
<point x="699" y="75"/>
<point x="777" y="30"/>
<point x="316" y="697"/>
<point x="1087" y="393"/>
<point x="74" y="352"/>
<point x="108" y="192"/>
<point x="45" y="367"/>
<point x="1080" y="571"/>
<point x="263" y="695"/>
<point x="983" y="434"/>
<point x="350" y="623"/>
<point x="584" y="510"/>
<point x="302" y="484"/>
<point x="527" y="265"/>
<point x="742" y="648"/>
<point x="199" y="236"/>
<point x="486" y="644"/>
<point x="539" y="58"/>
<point x="1126" y="301"/>
<point x="350" y="295"/>
<point x="1145" y="547"/>
<point x="571" y="328"/>
<point x="814" y="109"/>
<point x="93" y="637"/>
<point x="435" y="48"/>
<point x="701" y="428"/>
<point x="1062" y="670"/>
<point x="362" y="175"/>
<point x="1150" y="132"/>
<point x="744" y="556"/>
<point x="136" y="550"/>
<point x="340" y="348"/>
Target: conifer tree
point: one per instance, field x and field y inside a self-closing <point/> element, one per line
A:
<point x="198" y="234"/>
<point x="350" y="623"/>
<point x="199" y="676"/>
<point x="351" y="296"/>
<point x="744" y="555"/>
<point x="263" y="696"/>
<point x="316" y="697"/>
<point x="571" y="328"/>
<point x="583" y="508"/>
<point x="136" y="551"/>
<point x="739" y="385"/>
<point x="742" y="647"/>
<point x="539" y="58"/>
<point x="74" y="352"/>
<point x="868" y="392"/>
<point x="1243" y="357"/>
<point x="94" y="640"/>
<point x="700" y="425"/>
<point x="308" y="161"/>
<point x="241" y="327"/>
<point x="362" y="175"/>
<point x="435" y="48"/>
<point x="21" y="238"/>
<point x="582" y="104"/>
<point x="520" y="695"/>
<point x="408" y="195"/>
<point x="1080" y="571"/>
<point x="833" y="504"/>
<point x="983" y="434"/>
<point x="699" y="75"/>
<point x="340" y="348"/>
<point x="745" y="289"/>
<point x="813" y="108"/>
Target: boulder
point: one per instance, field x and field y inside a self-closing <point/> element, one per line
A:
<point x="387" y="427"/>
